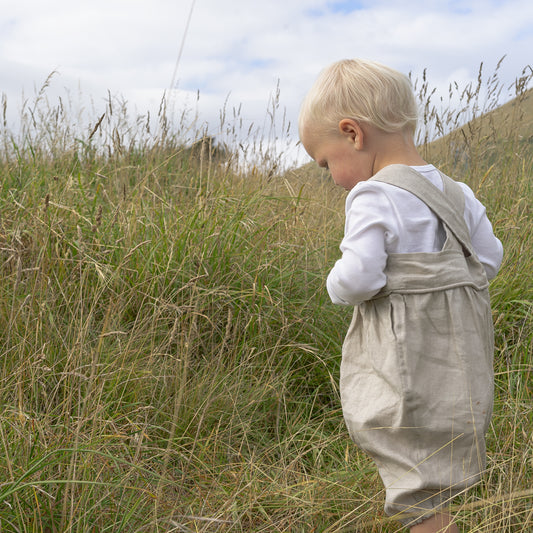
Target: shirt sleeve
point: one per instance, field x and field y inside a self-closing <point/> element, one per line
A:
<point x="487" y="246"/>
<point x="359" y="273"/>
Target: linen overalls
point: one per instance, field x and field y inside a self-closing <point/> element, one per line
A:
<point x="417" y="364"/>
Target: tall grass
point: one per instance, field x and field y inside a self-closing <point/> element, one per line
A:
<point x="169" y="355"/>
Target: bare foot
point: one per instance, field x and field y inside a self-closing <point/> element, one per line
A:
<point x="440" y="523"/>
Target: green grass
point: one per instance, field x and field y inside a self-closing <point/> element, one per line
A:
<point x="169" y="354"/>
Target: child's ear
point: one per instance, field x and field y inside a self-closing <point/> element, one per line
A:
<point x="350" y="128"/>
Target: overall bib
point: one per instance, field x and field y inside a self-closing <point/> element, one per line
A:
<point x="417" y="364"/>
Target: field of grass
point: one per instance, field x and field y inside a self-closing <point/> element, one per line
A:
<point x="169" y="354"/>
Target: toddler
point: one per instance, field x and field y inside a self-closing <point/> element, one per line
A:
<point x="418" y="250"/>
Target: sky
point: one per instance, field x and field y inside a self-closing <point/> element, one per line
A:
<point x="239" y="56"/>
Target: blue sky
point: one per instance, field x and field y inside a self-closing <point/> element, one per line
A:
<point x="237" y="52"/>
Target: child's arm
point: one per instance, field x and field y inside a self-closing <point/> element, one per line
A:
<point x="487" y="246"/>
<point x="359" y="273"/>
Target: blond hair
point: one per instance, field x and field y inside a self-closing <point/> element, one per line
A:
<point x="363" y="90"/>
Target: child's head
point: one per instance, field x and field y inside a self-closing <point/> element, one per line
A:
<point x="362" y="90"/>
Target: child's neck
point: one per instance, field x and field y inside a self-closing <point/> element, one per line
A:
<point x="395" y="148"/>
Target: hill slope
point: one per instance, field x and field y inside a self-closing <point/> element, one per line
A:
<point x="508" y="129"/>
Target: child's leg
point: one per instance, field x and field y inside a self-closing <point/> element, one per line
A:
<point x="440" y="523"/>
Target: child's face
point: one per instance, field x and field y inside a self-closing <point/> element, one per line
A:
<point x="341" y="154"/>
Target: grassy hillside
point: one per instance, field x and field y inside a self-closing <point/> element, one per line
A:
<point x="169" y="353"/>
<point x="475" y="135"/>
<point x="492" y="137"/>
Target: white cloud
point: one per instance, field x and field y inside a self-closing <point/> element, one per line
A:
<point x="236" y="51"/>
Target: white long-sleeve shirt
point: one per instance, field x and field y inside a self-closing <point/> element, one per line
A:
<point x="382" y="219"/>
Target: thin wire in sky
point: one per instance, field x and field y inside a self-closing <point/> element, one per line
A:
<point x="182" y="46"/>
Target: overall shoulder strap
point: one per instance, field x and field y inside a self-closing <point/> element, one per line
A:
<point x="448" y="205"/>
